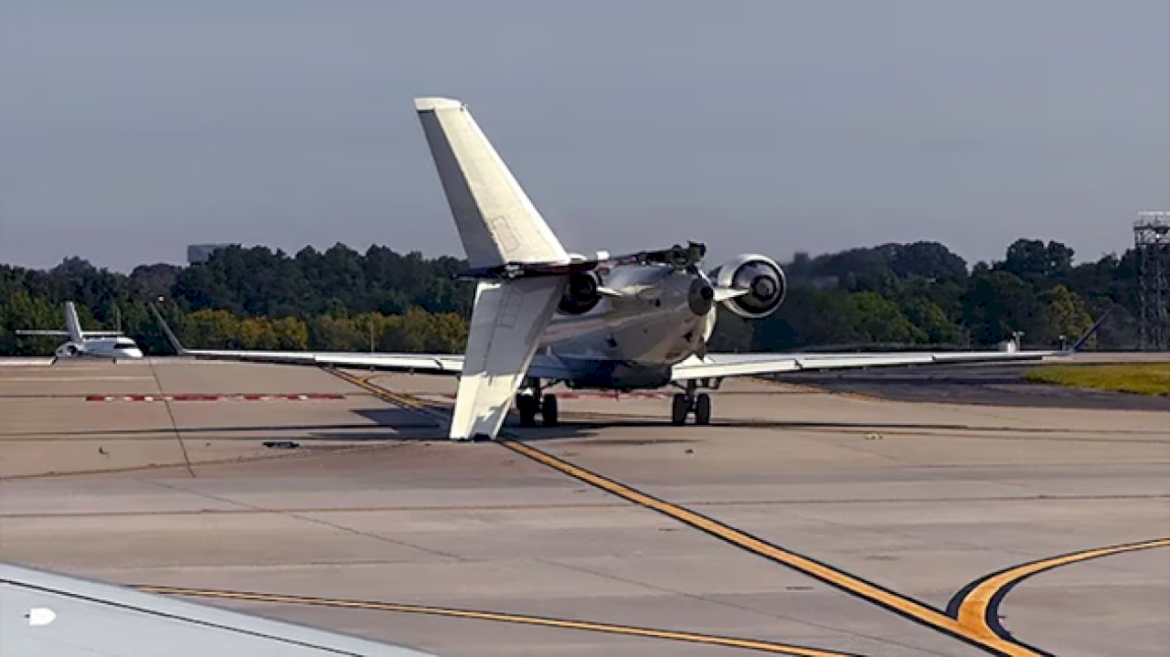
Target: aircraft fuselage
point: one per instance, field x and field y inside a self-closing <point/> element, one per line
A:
<point x="101" y="348"/>
<point x="631" y="341"/>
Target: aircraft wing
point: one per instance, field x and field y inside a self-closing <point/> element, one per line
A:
<point x="423" y="363"/>
<point x="419" y="363"/>
<point x="43" y="613"/>
<point x="724" y="365"/>
<point x="543" y="366"/>
<point x="48" y="332"/>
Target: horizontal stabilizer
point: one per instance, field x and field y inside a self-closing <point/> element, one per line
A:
<point x="676" y="256"/>
<point x="514" y="270"/>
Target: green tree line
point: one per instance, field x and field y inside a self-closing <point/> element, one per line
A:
<point x="892" y="295"/>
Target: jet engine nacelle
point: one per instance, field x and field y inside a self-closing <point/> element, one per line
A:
<point x="762" y="278"/>
<point x="581" y="294"/>
<point x="68" y="349"/>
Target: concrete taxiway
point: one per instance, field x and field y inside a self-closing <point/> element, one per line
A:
<point x="802" y="522"/>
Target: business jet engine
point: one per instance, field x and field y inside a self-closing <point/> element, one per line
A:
<point x="68" y="349"/>
<point x="760" y="279"/>
<point x="581" y="294"/>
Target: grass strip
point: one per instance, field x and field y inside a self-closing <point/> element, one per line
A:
<point x="1139" y="378"/>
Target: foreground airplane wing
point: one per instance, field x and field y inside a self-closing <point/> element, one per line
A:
<point x="43" y="613"/>
<point x="725" y="365"/>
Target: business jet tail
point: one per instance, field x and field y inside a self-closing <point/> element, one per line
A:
<point x="72" y="324"/>
<point x="498" y="225"/>
<point x="72" y="328"/>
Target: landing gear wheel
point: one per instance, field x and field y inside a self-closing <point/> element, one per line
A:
<point x="548" y="410"/>
<point x="679" y="408"/>
<point x="703" y="409"/>
<point x="527" y="406"/>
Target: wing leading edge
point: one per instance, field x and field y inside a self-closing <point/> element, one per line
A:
<point x="727" y="365"/>
<point x="426" y="363"/>
<point x="43" y="613"/>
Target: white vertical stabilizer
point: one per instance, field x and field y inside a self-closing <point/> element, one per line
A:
<point x="72" y="324"/>
<point x="495" y="218"/>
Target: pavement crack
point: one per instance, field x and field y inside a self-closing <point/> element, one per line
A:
<point x="308" y="519"/>
<point x="174" y="423"/>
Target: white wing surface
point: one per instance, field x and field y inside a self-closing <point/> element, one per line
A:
<point x="727" y="365"/>
<point x="44" y="613"/>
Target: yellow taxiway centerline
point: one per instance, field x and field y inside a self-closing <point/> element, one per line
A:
<point x="898" y="603"/>
<point x="628" y="630"/>
<point x="977" y="606"/>
<point x="966" y="620"/>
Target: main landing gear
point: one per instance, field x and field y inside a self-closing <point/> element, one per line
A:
<point x="530" y="403"/>
<point x="691" y="401"/>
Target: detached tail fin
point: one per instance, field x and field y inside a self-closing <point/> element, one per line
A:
<point x="72" y="325"/>
<point x="496" y="220"/>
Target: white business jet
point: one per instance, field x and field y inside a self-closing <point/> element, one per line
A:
<point x="111" y="345"/>
<point x="544" y="316"/>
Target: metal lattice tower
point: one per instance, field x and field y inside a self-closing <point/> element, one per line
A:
<point x="1151" y="238"/>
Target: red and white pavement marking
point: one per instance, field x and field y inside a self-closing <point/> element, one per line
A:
<point x="211" y="398"/>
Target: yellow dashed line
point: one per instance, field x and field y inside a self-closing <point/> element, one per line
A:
<point x="628" y="630"/>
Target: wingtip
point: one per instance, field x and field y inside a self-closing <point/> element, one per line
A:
<point x="432" y="103"/>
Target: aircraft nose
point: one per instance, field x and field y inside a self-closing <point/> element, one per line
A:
<point x="134" y="353"/>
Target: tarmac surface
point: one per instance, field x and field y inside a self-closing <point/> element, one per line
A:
<point x="801" y="522"/>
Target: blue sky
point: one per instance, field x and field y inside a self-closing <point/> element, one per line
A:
<point x="131" y="128"/>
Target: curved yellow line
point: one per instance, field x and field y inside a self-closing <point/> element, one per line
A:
<point x="854" y="585"/>
<point x="730" y="642"/>
<point x="970" y="623"/>
<point x="977" y="606"/>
